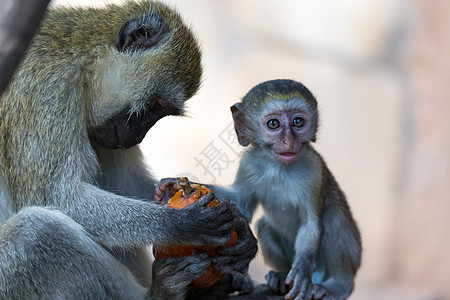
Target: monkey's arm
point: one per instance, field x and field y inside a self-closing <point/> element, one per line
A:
<point x="306" y="245"/>
<point x="238" y="258"/>
<point x="237" y="195"/>
<point x="116" y="221"/>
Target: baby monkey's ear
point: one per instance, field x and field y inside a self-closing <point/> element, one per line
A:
<point x="141" y="33"/>
<point x="237" y="111"/>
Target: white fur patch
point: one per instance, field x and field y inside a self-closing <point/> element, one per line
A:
<point x="123" y="79"/>
<point x="285" y="192"/>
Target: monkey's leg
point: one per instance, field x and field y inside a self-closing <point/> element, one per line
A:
<point x="339" y="254"/>
<point x="276" y="254"/>
<point x="45" y="254"/>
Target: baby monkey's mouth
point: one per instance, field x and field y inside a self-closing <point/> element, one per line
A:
<point x="288" y="153"/>
<point x="287" y="158"/>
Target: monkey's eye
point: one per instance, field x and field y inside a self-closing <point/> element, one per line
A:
<point x="298" y="122"/>
<point x="273" y="123"/>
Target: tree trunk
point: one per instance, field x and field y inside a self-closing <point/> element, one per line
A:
<point x="19" y="20"/>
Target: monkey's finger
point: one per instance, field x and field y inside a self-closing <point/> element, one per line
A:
<point x="181" y="270"/>
<point x="166" y="183"/>
<point x="242" y="264"/>
<point x="197" y="264"/>
<point x="217" y="216"/>
<point x="301" y="290"/>
<point x="226" y="264"/>
<point x="290" y="277"/>
<point x="180" y="263"/>
<point x="239" y="254"/>
<point x="272" y="282"/>
<point x="295" y="290"/>
<point x="275" y="282"/>
<point x="246" y="246"/>
<point x="242" y="223"/>
<point x="305" y="291"/>
<point x="223" y="263"/>
<point x="161" y="194"/>
<point x="242" y="226"/>
<point x="169" y="181"/>
<point x="213" y="237"/>
<point x="318" y="291"/>
<point x="241" y="282"/>
<point x="227" y="207"/>
<point x="282" y="287"/>
<point x="224" y="212"/>
<point x="160" y="187"/>
<point x="205" y="200"/>
<point x="225" y="229"/>
<point x="221" y="227"/>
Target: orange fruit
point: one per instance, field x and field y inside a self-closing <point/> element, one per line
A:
<point x="182" y="198"/>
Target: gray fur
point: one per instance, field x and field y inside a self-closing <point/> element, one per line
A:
<point x="76" y="218"/>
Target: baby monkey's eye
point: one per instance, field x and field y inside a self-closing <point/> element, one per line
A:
<point x="298" y="122"/>
<point x="273" y="123"/>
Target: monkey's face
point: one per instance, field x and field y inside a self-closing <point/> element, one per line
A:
<point x="282" y="128"/>
<point x="152" y="70"/>
<point x="285" y="129"/>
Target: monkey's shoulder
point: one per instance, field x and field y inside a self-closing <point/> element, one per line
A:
<point x="330" y="189"/>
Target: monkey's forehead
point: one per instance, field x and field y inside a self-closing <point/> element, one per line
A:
<point x="295" y="102"/>
<point x="279" y="101"/>
<point x="294" y="95"/>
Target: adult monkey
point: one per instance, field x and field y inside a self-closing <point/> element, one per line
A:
<point x="73" y="188"/>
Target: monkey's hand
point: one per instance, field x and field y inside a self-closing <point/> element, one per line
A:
<point x="320" y="293"/>
<point x="301" y="283"/>
<point x="198" y="224"/>
<point x="276" y="282"/>
<point x="241" y="282"/>
<point x="237" y="257"/>
<point x="166" y="188"/>
<point x="172" y="275"/>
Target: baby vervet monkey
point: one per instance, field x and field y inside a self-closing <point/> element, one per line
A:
<point x="307" y="233"/>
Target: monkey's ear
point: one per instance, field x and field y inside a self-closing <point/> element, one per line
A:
<point x="237" y="110"/>
<point x="141" y="33"/>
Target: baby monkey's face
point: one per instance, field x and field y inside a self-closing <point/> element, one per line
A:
<point x="285" y="132"/>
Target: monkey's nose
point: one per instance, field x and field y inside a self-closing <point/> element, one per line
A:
<point x="288" y="141"/>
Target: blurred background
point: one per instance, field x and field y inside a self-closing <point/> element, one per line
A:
<point x="380" y="70"/>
